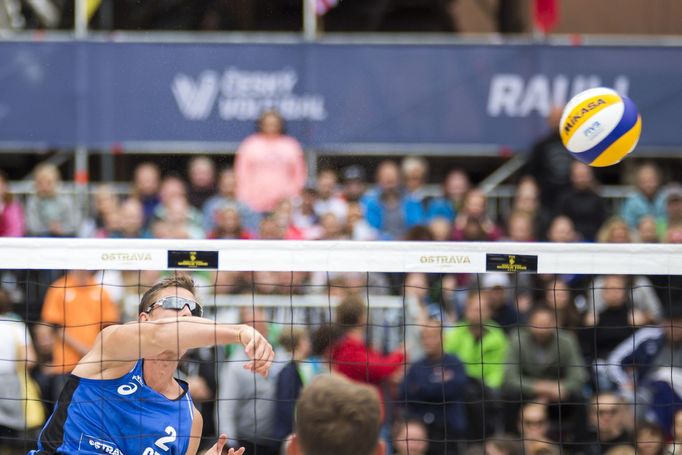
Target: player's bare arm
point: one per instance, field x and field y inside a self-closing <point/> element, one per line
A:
<point x="118" y="347"/>
<point x="195" y="436"/>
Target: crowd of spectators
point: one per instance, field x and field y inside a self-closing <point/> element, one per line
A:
<point x="254" y="15"/>
<point x="530" y="364"/>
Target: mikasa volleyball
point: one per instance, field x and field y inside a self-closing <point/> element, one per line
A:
<point x="600" y="127"/>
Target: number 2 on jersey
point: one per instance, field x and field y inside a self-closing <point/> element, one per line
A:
<point x="162" y="441"/>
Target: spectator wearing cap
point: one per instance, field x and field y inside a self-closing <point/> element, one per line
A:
<point x="387" y="207"/>
<point x="269" y="165"/>
<point x="503" y="308"/>
<point x="673" y="210"/>
<point x="354" y="183"/>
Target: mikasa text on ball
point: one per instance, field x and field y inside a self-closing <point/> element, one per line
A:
<point x="600" y="127"/>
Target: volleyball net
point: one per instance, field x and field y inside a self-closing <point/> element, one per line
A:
<point x="561" y="348"/>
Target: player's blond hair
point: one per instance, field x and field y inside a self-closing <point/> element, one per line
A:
<point x="335" y="416"/>
<point x="177" y="280"/>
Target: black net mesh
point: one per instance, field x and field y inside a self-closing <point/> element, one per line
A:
<point x="464" y="363"/>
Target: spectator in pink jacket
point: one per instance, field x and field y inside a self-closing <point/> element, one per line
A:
<point x="269" y="165"/>
<point x="11" y="212"/>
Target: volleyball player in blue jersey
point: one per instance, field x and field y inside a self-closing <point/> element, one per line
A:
<point x="122" y="398"/>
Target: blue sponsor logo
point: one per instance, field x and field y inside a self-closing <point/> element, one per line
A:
<point x="593" y="130"/>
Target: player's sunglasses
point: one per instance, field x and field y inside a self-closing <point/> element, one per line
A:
<point x="173" y="302"/>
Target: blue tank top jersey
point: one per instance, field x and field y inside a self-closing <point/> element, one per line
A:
<point x="120" y="416"/>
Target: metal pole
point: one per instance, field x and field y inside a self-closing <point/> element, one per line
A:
<point x="81" y="177"/>
<point x="311" y="156"/>
<point x="309" y="20"/>
<point x="503" y="172"/>
<point x="81" y="180"/>
<point x="81" y="19"/>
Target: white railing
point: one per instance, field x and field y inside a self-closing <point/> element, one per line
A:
<point x="499" y="199"/>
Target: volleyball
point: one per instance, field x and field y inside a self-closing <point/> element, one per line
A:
<point x="600" y="127"/>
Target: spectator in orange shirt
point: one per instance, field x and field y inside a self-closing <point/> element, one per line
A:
<point x="76" y="308"/>
<point x="269" y="165"/>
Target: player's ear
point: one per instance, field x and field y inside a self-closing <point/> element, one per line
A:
<point x="381" y="447"/>
<point x="143" y="317"/>
<point x="292" y="446"/>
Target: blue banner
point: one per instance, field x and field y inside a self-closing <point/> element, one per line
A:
<point x="102" y="94"/>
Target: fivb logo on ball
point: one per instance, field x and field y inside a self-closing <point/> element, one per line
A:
<point x="600" y="127"/>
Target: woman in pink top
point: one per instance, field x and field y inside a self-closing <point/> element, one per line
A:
<point x="11" y="212"/>
<point x="269" y="165"/>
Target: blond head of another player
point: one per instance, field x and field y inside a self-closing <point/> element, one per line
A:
<point x="335" y="416"/>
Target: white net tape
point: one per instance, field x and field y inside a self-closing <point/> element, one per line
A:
<point x="345" y="256"/>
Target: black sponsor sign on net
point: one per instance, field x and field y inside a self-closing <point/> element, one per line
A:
<point x="511" y="263"/>
<point x="192" y="259"/>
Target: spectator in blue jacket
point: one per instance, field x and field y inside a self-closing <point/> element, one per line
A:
<point x="291" y="380"/>
<point x="630" y="361"/>
<point x="434" y="392"/>
<point x="455" y="187"/>
<point x="388" y="208"/>
<point x="651" y="360"/>
<point x="648" y="199"/>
